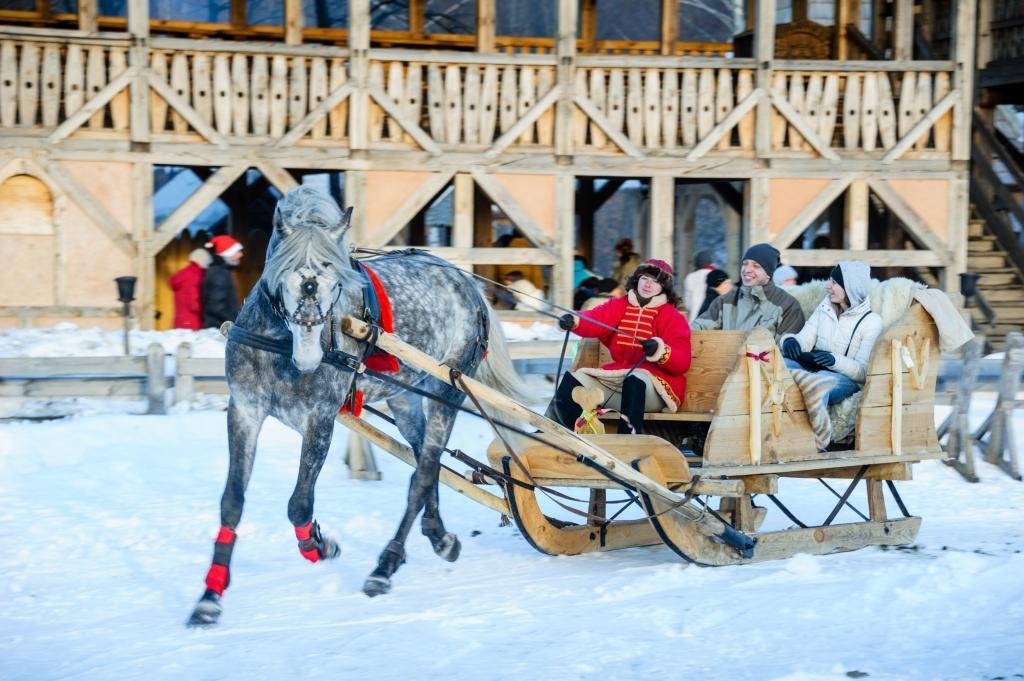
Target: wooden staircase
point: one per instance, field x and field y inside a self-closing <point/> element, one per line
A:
<point x="1000" y="284"/>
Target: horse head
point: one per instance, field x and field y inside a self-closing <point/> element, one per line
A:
<point x="308" y="272"/>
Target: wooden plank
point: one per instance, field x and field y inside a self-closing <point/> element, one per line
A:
<point x="705" y="102"/>
<point x="293" y="22"/>
<point x="652" y="108"/>
<point x="812" y="102"/>
<point x="922" y="105"/>
<point x="92" y="208"/>
<point x="527" y="120"/>
<point x="181" y="86"/>
<point x="616" y="106"/>
<point x="240" y="95"/>
<point x="188" y="113"/>
<point x="605" y="124"/>
<point x="669" y="113"/>
<point x="394" y="111"/>
<point x="745" y="128"/>
<point x="259" y="89"/>
<point x="508" y="204"/>
<point x="157" y="105"/>
<point x="546" y="121"/>
<point x="723" y="128"/>
<point x="49" y="85"/>
<point x="688" y="108"/>
<point x="125" y="388"/>
<point x="921" y="127"/>
<point x="724" y="104"/>
<point x="338" y="115"/>
<point x="795" y="98"/>
<point x="796" y="121"/>
<point x="471" y="105"/>
<point x="488" y="104"/>
<point x="278" y="176"/>
<point x="917" y="227"/>
<point x="453" y="104"/>
<point x="527" y="98"/>
<point x="408" y="209"/>
<point x="634" y="107"/>
<point x="869" y="112"/>
<point x="486" y="12"/>
<point x="396" y="91"/>
<point x="810" y="212"/>
<point x="195" y="204"/>
<point x="778" y="126"/>
<point x="95" y="82"/>
<point x="886" y="111"/>
<point x="298" y="92"/>
<point x="908" y="97"/>
<point x="828" y="108"/>
<point x="8" y="84"/>
<point x="202" y="90"/>
<point x="95" y="104"/>
<point x="88" y="16"/>
<point x="74" y="80"/>
<point x="852" y="112"/>
<point x="857" y="204"/>
<point x="944" y="124"/>
<point x="222" y="94"/>
<point x="278" y="95"/>
<point x="508" y="98"/>
<point x="119" y="104"/>
<point x="65" y="367"/>
<point x="435" y="103"/>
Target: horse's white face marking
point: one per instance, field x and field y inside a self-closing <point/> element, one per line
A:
<point x="307" y="295"/>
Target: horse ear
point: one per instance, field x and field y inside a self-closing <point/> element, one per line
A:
<point x="279" y="225"/>
<point x="339" y="230"/>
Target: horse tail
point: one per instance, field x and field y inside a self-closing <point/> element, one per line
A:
<point x="497" y="371"/>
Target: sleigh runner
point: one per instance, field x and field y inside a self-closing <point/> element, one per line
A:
<point x="746" y="426"/>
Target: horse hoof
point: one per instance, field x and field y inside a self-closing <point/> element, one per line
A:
<point x="206" y="613"/>
<point x="330" y="549"/>
<point x="448" y="547"/>
<point x="376" y="586"/>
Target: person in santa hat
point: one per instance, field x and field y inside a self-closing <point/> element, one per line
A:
<point x="186" y="284"/>
<point x="220" y="298"/>
<point x="650" y="351"/>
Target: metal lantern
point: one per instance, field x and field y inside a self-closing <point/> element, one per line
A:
<point x="126" y="294"/>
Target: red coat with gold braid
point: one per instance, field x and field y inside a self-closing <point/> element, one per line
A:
<point x="657" y="320"/>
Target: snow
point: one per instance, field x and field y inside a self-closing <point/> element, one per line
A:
<point x="107" y="523"/>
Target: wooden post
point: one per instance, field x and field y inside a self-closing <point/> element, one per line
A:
<point x="896" y="420"/>
<point x="566" y="77"/>
<point x="238" y="17"/>
<point x="756" y="213"/>
<point x="764" y="53"/>
<point x="963" y="32"/>
<point x="462" y="229"/>
<point x="144" y="234"/>
<point x="486" y="25"/>
<point x="857" y="216"/>
<point x="360" y="459"/>
<point x="754" y="410"/>
<point x="88" y="15"/>
<point x="138" y="56"/>
<point x="959" y="445"/>
<point x="588" y="25"/>
<point x="292" y="22"/>
<point x="876" y="500"/>
<point x="184" y="382"/>
<point x="903" y="30"/>
<point x="355" y="196"/>
<point x="156" y="379"/>
<point x="984" y="52"/>
<point x="661" y="225"/>
<point x="565" y="228"/>
<point x="959" y="217"/>
<point x="847" y="12"/>
<point x="359" y="67"/>
<point x="669" y="26"/>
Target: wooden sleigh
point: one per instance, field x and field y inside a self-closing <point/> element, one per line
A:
<point x="747" y="417"/>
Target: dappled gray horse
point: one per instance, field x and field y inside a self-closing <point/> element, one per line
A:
<point x="286" y="357"/>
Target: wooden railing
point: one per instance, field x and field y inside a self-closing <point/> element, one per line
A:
<point x="243" y="93"/>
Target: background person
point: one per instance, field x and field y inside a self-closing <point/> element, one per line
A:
<point x="187" y="284"/>
<point x="219" y="296"/>
<point x="626" y="261"/>
<point x="785" y="276"/>
<point x="718" y="285"/>
<point x="695" y="284"/>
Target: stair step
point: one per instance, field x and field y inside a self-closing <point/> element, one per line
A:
<point x="984" y="262"/>
<point x="975" y="228"/>
<point x="1004" y="277"/>
<point x="1003" y="294"/>
<point x="980" y="246"/>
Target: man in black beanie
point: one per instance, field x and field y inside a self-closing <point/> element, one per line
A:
<point x="758" y="303"/>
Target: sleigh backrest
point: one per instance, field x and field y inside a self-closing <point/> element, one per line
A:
<point x="906" y="405"/>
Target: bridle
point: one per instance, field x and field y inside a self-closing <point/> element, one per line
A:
<point x="308" y="300"/>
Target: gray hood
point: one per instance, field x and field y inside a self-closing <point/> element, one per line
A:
<point x="856" y="280"/>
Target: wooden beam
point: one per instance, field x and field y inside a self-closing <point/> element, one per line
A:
<point x="278" y="176"/>
<point x="239" y="20"/>
<point x="358" y="72"/>
<point x="588" y="25"/>
<point x="92" y="208"/>
<point x="138" y="19"/>
<point x="522" y="220"/>
<point x="922" y="126"/>
<point x="292" y="22"/>
<point x="88" y="15"/>
<point x="963" y="32"/>
<point x="138" y="57"/>
<point x="801" y="125"/>
<point x="919" y="229"/>
<point x="725" y="125"/>
<point x="179" y="104"/>
<point x="616" y="136"/>
<point x="903" y="29"/>
<point x="565" y="78"/>
<point x="822" y="257"/>
<point x="417" y="18"/>
<point x="405" y="212"/>
<point x="318" y="112"/>
<point x="527" y="119"/>
<point x="661" y="224"/>
<point x="190" y="209"/>
<point x="764" y="55"/>
<point x="857" y="215"/>
<point x="95" y="103"/>
<point x="809" y="213"/>
<point x="669" y="26"/>
<point x="142" y="222"/>
<point x="462" y="229"/>
<point x="392" y="109"/>
<point x="486" y="16"/>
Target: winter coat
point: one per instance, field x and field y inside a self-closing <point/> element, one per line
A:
<point x="753" y="307"/>
<point x="220" y="298"/>
<point x="526" y="295"/>
<point x="695" y="285"/>
<point x="849" y="336"/>
<point x="186" y="284"/>
<point x="710" y="295"/>
<point x="667" y="367"/>
<point x="580" y="273"/>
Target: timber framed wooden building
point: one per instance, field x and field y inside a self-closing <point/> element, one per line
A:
<point x="795" y="115"/>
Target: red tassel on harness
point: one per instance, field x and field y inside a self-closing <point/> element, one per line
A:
<point x="354" y="405"/>
<point x="380" y="360"/>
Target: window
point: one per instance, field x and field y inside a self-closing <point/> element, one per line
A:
<point x="527" y="18"/>
<point x="28" y="206"/>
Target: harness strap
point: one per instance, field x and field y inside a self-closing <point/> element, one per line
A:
<point x="336" y="358"/>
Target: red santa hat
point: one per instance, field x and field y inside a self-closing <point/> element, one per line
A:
<point x="224" y="245"/>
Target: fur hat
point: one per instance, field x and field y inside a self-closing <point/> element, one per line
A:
<point x="660" y="270"/>
<point x="784" y="272"/>
<point x="765" y="255"/>
<point x="224" y="245"/>
<point x="201" y="257"/>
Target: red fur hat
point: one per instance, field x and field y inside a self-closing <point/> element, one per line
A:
<point x="224" y="245"/>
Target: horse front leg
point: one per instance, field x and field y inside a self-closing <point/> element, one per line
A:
<point x="316" y="442"/>
<point x="244" y="425"/>
<point x="422" y="492"/>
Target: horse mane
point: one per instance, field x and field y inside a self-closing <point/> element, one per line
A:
<point x="308" y="229"/>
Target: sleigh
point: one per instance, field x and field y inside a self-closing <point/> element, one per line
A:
<point x="699" y="475"/>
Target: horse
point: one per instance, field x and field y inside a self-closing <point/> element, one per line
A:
<point x="286" y="357"/>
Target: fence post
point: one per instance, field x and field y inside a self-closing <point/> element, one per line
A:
<point x="959" y="443"/>
<point x="184" y="383"/>
<point x="156" y="379"/>
<point x="1001" y="448"/>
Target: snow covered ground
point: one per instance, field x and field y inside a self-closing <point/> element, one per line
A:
<point x="106" y="529"/>
<point x="107" y="522"/>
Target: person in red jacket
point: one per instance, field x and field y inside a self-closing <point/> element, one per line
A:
<point x="650" y="351"/>
<point x="186" y="283"/>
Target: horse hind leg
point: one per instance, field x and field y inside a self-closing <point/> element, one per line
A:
<point x="243" y="430"/>
<point x="316" y="442"/>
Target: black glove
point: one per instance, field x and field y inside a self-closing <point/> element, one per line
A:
<point x="650" y="347"/>
<point x="791" y="348"/>
<point x="823" y="359"/>
<point x="567" y="322"/>
<point x="807" y="361"/>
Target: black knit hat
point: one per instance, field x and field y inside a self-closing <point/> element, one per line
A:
<point x="716" y="277"/>
<point x="765" y="255"/>
<point x="837" y="275"/>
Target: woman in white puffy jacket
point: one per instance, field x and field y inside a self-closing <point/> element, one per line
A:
<point x="838" y="338"/>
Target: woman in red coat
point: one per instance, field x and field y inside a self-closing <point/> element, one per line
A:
<point x="186" y="283"/>
<point x="650" y="351"/>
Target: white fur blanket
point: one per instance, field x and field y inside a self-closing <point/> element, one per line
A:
<point x="890" y="299"/>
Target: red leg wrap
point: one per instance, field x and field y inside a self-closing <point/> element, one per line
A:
<point x="218" y="578"/>
<point x="307" y="547"/>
